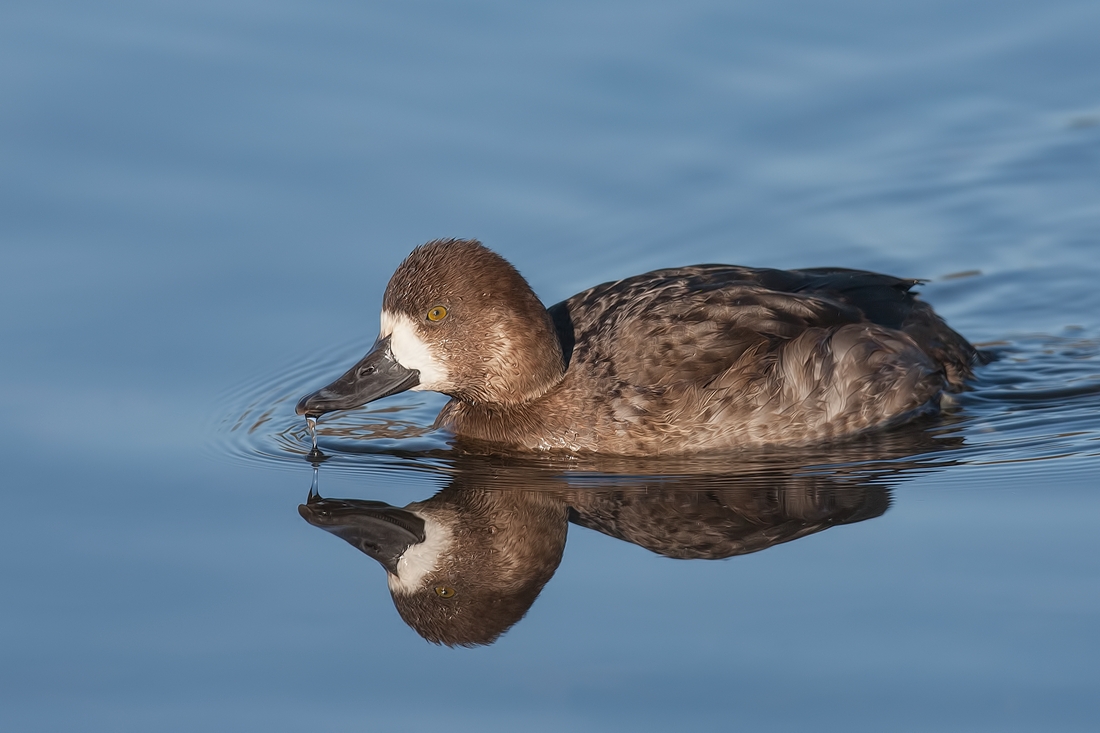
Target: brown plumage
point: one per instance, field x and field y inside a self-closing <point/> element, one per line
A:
<point x="690" y="359"/>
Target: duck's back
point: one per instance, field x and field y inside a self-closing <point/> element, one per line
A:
<point x="777" y="303"/>
<point x="718" y="356"/>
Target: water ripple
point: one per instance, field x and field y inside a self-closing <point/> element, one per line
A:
<point x="260" y="426"/>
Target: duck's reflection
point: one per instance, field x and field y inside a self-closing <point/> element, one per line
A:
<point x="466" y="564"/>
<point x="462" y="566"/>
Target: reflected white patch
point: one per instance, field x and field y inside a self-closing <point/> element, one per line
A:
<point x="412" y="352"/>
<point x="422" y="558"/>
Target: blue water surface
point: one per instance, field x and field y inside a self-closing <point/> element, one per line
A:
<point x="201" y="204"/>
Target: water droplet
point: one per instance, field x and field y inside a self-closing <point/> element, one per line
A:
<point x="311" y="426"/>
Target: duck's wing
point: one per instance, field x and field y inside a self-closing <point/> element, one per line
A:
<point x="776" y="302"/>
<point x="692" y="323"/>
<point x="754" y="356"/>
<point x="891" y="302"/>
<point x="882" y="299"/>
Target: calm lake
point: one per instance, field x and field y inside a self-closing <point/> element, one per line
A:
<point x="201" y="204"/>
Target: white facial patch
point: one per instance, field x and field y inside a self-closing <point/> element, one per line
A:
<point x="412" y="352"/>
<point x="421" y="558"/>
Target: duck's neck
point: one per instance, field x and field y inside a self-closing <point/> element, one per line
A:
<point x="527" y="364"/>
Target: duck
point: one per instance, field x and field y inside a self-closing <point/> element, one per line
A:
<point x="683" y="360"/>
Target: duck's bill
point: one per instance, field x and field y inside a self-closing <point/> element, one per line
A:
<point x="377" y="375"/>
<point x="382" y="531"/>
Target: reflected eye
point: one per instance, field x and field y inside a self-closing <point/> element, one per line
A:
<point x="444" y="591"/>
<point x="437" y="314"/>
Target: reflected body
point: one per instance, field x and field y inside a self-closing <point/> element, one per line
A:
<point x="684" y="360"/>
<point x="466" y="564"/>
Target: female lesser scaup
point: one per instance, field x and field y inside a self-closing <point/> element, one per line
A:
<point x="687" y="359"/>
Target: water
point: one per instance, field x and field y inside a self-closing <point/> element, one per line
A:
<point x="311" y="426"/>
<point x="176" y="175"/>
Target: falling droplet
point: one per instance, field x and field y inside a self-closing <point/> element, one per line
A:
<point x="311" y="426"/>
<point x="313" y="487"/>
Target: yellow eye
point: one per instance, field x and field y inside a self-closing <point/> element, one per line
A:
<point x="437" y="314"/>
<point x="444" y="591"/>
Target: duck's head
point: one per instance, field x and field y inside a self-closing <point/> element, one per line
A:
<point x="457" y="318"/>
<point x="462" y="567"/>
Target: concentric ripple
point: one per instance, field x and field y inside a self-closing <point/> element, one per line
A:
<point x="261" y="428"/>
